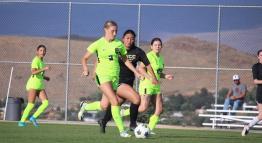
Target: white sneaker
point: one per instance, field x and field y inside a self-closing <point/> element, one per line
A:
<point x="151" y="133"/>
<point x="81" y="111"/>
<point x="124" y="134"/>
<point x="245" y="130"/>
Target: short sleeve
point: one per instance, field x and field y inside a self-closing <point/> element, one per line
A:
<point x="255" y="71"/>
<point x="35" y="63"/>
<point x="92" y="48"/>
<point x="244" y="88"/>
<point x="123" y="49"/>
<point x="143" y="58"/>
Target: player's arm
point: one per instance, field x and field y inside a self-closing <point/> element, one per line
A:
<point x="142" y="70"/>
<point x="255" y="75"/>
<point x="257" y="81"/>
<point x="146" y="63"/>
<point x="46" y="78"/>
<point x="37" y="71"/>
<point x="94" y="71"/>
<point x="167" y="76"/>
<point x="84" y="63"/>
<point x="131" y="67"/>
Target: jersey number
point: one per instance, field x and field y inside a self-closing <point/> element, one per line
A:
<point x="110" y="57"/>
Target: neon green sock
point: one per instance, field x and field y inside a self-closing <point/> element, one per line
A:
<point x="94" y="106"/>
<point x="125" y="112"/>
<point x="27" y="111"/>
<point x="41" y="108"/>
<point x="117" y="118"/>
<point x="153" y="121"/>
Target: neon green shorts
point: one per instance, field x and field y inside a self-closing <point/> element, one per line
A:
<point x="149" y="90"/>
<point x="35" y="83"/>
<point x="102" y="79"/>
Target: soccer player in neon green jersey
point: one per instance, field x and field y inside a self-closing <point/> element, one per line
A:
<point x="147" y="90"/>
<point x="108" y="49"/>
<point x="36" y="87"/>
<point x="125" y="89"/>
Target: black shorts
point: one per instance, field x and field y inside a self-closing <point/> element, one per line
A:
<point x="259" y="95"/>
<point x="129" y="81"/>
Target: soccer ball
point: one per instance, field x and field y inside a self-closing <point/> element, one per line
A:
<point x="141" y="131"/>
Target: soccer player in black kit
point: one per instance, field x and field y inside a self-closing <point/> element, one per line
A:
<point x="134" y="55"/>
<point x="257" y="77"/>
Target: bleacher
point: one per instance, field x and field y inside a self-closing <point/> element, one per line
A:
<point x="229" y="118"/>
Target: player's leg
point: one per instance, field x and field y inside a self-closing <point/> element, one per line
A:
<point x="105" y="105"/>
<point x="97" y="105"/>
<point x="107" y="89"/>
<point x="127" y="92"/>
<point x="93" y="106"/>
<point x="254" y="121"/>
<point x="108" y="114"/>
<point x="144" y="93"/>
<point x="30" y="105"/>
<point x="41" y="108"/>
<point x="158" y="101"/>
<point x="145" y="100"/>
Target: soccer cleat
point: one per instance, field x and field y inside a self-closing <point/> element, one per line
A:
<point x="33" y="120"/>
<point x="81" y="111"/>
<point x="151" y="132"/>
<point x="102" y="126"/>
<point x="124" y="134"/>
<point x="245" y="130"/>
<point x="21" y="124"/>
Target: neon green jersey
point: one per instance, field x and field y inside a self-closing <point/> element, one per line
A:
<point x="157" y="64"/>
<point x="107" y="55"/>
<point x="37" y="63"/>
<point x="36" y="81"/>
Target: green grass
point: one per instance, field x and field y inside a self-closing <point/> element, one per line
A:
<point x="59" y="133"/>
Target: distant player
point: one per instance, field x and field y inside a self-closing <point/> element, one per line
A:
<point x="150" y="92"/>
<point x="257" y="76"/>
<point x="108" y="50"/>
<point x="36" y="87"/>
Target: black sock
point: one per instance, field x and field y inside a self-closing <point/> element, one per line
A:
<point x="108" y="115"/>
<point x="133" y="114"/>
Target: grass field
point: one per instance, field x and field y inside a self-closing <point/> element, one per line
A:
<point x="60" y="133"/>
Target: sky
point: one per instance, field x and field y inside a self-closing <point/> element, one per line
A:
<point x="51" y="19"/>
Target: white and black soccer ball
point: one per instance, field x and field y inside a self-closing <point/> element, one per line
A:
<point x="142" y="131"/>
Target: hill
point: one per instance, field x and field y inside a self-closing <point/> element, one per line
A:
<point x="178" y="52"/>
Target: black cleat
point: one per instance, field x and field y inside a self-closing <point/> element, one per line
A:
<point x="102" y="126"/>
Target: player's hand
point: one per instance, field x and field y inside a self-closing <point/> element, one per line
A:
<point x="47" y="78"/>
<point x="169" y="76"/>
<point x="140" y="76"/>
<point x="85" y="73"/>
<point x="155" y="81"/>
<point x="47" y="68"/>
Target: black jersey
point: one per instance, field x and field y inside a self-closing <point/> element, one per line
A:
<point x="257" y="74"/>
<point x="134" y="55"/>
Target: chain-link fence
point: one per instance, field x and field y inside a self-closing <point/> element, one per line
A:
<point x="204" y="45"/>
